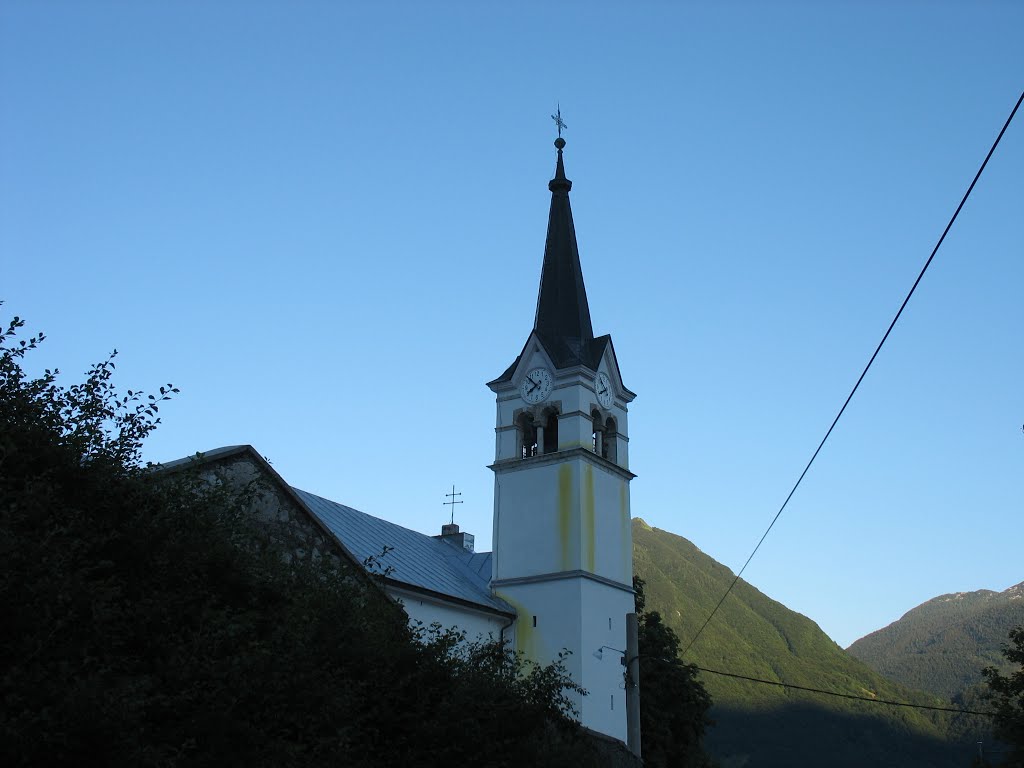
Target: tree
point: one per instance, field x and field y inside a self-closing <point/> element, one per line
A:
<point x="673" y="702"/>
<point x="1008" y="694"/>
<point x="148" y="621"/>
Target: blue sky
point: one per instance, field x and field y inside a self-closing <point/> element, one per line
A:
<point x="324" y="222"/>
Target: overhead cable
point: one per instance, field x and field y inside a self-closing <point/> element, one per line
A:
<point x="862" y="375"/>
<point x="872" y="699"/>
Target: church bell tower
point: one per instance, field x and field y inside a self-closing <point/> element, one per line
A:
<point x="563" y="546"/>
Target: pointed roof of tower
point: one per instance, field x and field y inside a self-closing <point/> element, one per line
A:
<point x="562" y="323"/>
<point x="563" y="314"/>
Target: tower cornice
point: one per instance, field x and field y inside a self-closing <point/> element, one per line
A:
<point x="560" y="457"/>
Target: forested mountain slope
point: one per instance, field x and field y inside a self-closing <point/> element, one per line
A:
<point x="765" y="726"/>
<point x="942" y="645"/>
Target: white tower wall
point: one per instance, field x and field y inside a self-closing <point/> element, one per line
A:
<point x="563" y="545"/>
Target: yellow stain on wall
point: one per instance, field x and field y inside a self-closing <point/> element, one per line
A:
<point x="587" y="523"/>
<point x="527" y="639"/>
<point x="565" y="504"/>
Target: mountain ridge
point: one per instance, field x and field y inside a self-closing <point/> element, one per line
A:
<point x="942" y="644"/>
<point x="764" y="726"/>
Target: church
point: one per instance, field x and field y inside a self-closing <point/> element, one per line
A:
<point x="559" y="578"/>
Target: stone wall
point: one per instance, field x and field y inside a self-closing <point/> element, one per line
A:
<point x="271" y="504"/>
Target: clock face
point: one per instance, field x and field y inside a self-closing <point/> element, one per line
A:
<point x="537" y="385"/>
<point x="603" y="387"/>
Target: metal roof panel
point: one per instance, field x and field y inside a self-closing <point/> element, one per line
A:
<point x="411" y="558"/>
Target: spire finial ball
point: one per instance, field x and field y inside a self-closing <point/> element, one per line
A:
<point x="559" y="142"/>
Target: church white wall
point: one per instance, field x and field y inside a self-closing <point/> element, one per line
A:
<point x="604" y="610"/>
<point x="548" y="622"/>
<point x="579" y="616"/>
<point x="424" y="610"/>
<point x="553" y="513"/>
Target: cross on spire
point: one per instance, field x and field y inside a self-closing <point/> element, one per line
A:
<point x="557" y="117"/>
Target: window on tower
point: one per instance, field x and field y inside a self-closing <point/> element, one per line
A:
<point x="610" y="441"/>
<point x="526" y="432"/>
<point x="551" y="431"/>
<point x="598" y="435"/>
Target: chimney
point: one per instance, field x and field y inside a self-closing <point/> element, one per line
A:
<point x="450" y="533"/>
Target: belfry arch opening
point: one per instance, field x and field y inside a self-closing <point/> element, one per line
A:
<point x="611" y="434"/>
<point x="550" y="442"/>
<point x="598" y="432"/>
<point x="537" y="434"/>
<point x="526" y="433"/>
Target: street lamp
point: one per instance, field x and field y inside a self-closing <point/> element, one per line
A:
<point x="599" y="654"/>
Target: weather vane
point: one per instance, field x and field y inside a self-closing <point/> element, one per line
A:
<point x="557" y="117"/>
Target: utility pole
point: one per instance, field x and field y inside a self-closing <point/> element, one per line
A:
<point x="632" y="684"/>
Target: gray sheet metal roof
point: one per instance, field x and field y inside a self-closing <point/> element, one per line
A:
<point x="416" y="559"/>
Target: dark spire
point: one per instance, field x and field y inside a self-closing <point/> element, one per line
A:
<point x="563" y="315"/>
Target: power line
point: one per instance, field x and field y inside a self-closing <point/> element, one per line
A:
<point x="862" y="375"/>
<point x="846" y="695"/>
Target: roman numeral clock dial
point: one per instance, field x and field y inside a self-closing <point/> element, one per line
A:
<point x="536" y="386"/>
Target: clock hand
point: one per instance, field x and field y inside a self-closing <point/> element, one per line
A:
<point x="535" y="385"/>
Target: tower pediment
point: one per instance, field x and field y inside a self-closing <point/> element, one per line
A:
<point x="608" y="362"/>
<point x="598" y="352"/>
